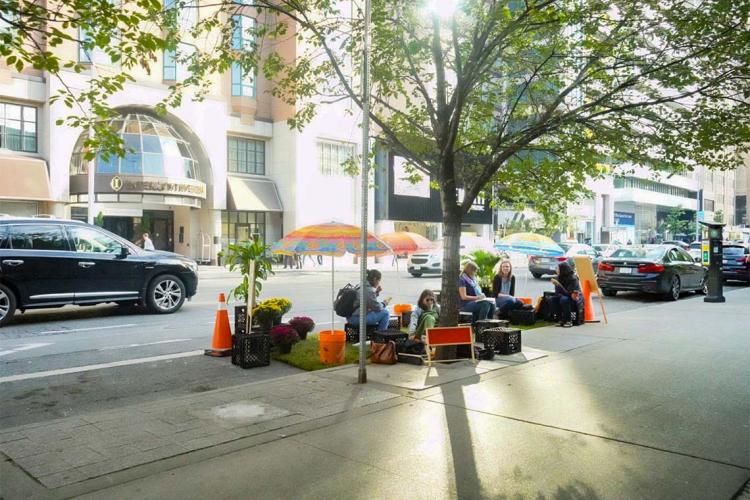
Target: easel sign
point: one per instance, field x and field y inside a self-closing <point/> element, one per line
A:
<point x="448" y="336"/>
<point x="587" y="276"/>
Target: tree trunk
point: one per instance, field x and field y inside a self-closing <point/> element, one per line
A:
<point x="449" y="301"/>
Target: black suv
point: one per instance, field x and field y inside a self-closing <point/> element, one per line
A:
<point x="53" y="262"/>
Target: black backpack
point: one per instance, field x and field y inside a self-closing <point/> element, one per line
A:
<point x="346" y="300"/>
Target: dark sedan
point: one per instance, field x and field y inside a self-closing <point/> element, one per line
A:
<point x="53" y="262"/>
<point x="735" y="262"/>
<point x="662" y="269"/>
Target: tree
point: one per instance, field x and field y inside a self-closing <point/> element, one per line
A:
<point x="675" y="223"/>
<point x="719" y="216"/>
<point x="533" y="96"/>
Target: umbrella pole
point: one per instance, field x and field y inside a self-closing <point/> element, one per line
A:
<point x="333" y="295"/>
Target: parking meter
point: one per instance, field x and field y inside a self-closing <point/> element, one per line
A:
<point x="714" y="256"/>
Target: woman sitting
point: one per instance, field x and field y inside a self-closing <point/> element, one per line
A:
<point x="424" y="316"/>
<point x="504" y="290"/>
<point x="567" y="291"/>
<point x="377" y="314"/>
<point x="470" y="294"/>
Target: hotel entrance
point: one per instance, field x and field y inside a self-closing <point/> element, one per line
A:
<point x="159" y="224"/>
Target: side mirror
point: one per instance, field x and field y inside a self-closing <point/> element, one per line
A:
<point x="124" y="252"/>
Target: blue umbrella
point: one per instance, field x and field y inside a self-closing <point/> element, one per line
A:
<point x="530" y="244"/>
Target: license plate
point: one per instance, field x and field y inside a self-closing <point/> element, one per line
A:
<point x="625" y="270"/>
<point x="545" y="261"/>
<point x="724" y="261"/>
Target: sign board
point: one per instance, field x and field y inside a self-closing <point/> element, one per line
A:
<point x="706" y="253"/>
<point x="624" y="218"/>
<point x="404" y="174"/>
<point x="448" y="336"/>
<point x="585" y="271"/>
<point x="139" y="184"/>
<point x="700" y="215"/>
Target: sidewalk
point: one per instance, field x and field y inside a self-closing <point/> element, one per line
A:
<point x="654" y="405"/>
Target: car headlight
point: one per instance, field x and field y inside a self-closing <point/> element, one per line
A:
<point x="191" y="265"/>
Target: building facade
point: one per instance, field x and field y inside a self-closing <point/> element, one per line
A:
<point x="208" y="173"/>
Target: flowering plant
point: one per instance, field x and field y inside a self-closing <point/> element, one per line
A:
<point x="284" y="334"/>
<point x="302" y="324"/>
<point x="271" y="309"/>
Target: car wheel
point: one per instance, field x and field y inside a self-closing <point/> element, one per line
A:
<point x="674" y="288"/>
<point x="609" y="292"/>
<point x="703" y="290"/>
<point x="7" y="304"/>
<point x="537" y="276"/>
<point x="166" y="293"/>
<point x="416" y="275"/>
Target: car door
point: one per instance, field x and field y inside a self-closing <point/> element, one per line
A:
<point x="39" y="262"/>
<point x="680" y="268"/>
<point x="694" y="269"/>
<point x="106" y="273"/>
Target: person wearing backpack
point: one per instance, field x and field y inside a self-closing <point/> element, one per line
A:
<point x="377" y="314"/>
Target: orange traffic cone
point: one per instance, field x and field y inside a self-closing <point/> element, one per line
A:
<point x="588" y="306"/>
<point x="221" y="345"/>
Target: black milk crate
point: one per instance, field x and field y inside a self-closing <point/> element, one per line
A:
<point x="352" y="332"/>
<point x="522" y="317"/>
<point x="394" y="323"/>
<point x="250" y="351"/>
<point x="482" y="324"/>
<point x="395" y="335"/>
<point x="502" y="340"/>
<point x="465" y="318"/>
<point x="240" y="319"/>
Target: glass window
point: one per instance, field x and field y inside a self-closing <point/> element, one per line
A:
<point x="18" y="127"/>
<point x="153" y="164"/>
<point x="89" y="55"/>
<point x="3" y="237"/>
<point x="243" y="39"/>
<point x="246" y="156"/>
<point x="90" y="240"/>
<point x="177" y="62"/>
<point x="38" y="237"/>
<point x="332" y="156"/>
<point x="108" y="166"/>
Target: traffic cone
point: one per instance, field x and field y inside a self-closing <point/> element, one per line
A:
<point x="221" y="344"/>
<point x="588" y="306"/>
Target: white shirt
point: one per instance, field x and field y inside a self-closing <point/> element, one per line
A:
<point x="148" y="244"/>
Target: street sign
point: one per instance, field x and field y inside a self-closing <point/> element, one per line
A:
<point x="700" y="215"/>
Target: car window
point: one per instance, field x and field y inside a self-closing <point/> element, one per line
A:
<point x="654" y="253"/>
<point x="725" y="250"/>
<point x="38" y="237"/>
<point x="3" y="239"/>
<point x="674" y="255"/>
<point x="684" y="255"/>
<point x="86" y="239"/>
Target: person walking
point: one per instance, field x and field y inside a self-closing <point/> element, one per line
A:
<point x="147" y="243"/>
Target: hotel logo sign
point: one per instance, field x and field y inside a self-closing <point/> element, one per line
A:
<point x="116" y="183"/>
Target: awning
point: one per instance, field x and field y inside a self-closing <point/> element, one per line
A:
<point x="23" y="178"/>
<point x="255" y="195"/>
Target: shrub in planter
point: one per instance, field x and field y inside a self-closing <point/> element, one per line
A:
<point x="303" y="325"/>
<point x="269" y="312"/>
<point x="283" y="337"/>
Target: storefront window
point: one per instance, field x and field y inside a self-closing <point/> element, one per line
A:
<point x="18" y="127"/>
<point x="246" y="156"/>
<point x="238" y="226"/>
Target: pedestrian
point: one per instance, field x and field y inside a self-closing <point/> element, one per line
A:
<point x="470" y="294"/>
<point x="504" y="289"/>
<point x="320" y="259"/>
<point x="567" y="292"/>
<point x="377" y="314"/>
<point x="147" y="243"/>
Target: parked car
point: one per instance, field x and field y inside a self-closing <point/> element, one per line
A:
<point x="540" y="265"/>
<point x="604" y="249"/>
<point x="54" y="262"/>
<point x="735" y="261"/>
<point x="678" y="243"/>
<point x="431" y="262"/>
<point x="695" y="251"/>
<point x="662" y="269"/>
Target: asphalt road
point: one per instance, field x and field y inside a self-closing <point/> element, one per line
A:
<point x="59" y="362"/>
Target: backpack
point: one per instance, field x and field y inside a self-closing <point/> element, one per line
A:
<point x="346" y="300"/>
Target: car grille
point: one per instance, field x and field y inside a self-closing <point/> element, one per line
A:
<point x="419" y="261"/>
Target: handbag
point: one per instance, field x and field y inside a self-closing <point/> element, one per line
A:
<point x="383" y="353"/>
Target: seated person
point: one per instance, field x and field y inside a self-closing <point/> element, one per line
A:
<point x="567" y="291"/>
<point x="424" y="316"/>
<point x="377" y="314"/>
<point x="470" y="294"/>
<point x="504" y="289"/>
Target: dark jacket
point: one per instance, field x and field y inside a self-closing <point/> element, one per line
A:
<point x="570" y="285"/>
<point x="497" y="283"/>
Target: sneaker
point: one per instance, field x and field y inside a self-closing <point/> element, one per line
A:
<point x="567" y="324"/>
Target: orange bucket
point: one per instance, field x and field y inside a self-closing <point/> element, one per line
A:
<point x="332" y="347"/>
<point x="401" y="308"/>
<point x="525" y="300"/>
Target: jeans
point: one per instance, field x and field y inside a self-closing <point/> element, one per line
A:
<point x="505" y="304"/>
<point x="379" y="318"/>
<point x="480" y="309"/>
<point x="561" y="305"/>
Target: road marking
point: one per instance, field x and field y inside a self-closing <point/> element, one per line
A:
<point x="88" y="329"/>
<point x="24" y="347"/>
<point x="141" y="345"/>
<point x="78" y="369"/>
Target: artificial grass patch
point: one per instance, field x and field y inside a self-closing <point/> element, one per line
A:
<point x="538" y="324"/>
<point x="306" y="355"/>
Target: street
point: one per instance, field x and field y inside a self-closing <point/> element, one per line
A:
<point x="62" y="362"/>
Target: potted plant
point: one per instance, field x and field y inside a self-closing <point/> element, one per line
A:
<point x="303" y="325"/>
<point x="251" y="259"/>
<point x="485" y="262"/>
<point x="269" y="312"/>
<point x="283" y="337"/>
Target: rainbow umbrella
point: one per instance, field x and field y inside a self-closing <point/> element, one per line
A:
<point x="530" y="244"/>
<point x="334" y="239"/>
<point x="406" y="242"/>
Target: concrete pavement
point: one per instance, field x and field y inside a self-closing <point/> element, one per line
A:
<point x="654" y="405"/>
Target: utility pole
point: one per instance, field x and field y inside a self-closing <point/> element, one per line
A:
<point x="362" y="373"/>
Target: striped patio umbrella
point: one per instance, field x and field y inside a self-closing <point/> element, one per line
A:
<point x="334" y="239"/>
<point x="406" y="242"/>
<point x="530" y="244"/>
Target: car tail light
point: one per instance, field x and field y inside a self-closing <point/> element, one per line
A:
<point x="561" y="259"/>
<point x="651" y="268"/>
<point x="742" y="260"/>
<point x="603" y="266"/>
